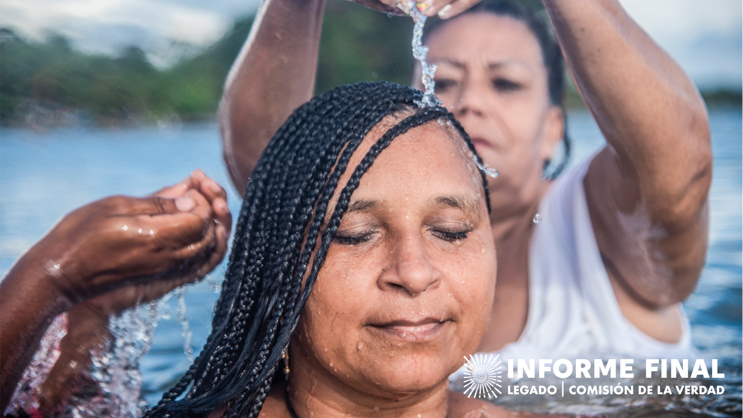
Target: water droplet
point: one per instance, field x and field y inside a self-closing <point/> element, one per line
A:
<point x="124" y="228"/>
<point x="139" y="230"/>
<point x="360" y="346"/>
<point x="490" y="172"/>
<point x="537" y="218"/>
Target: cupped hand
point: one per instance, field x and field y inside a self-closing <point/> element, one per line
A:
<point x="443" y="8"/>
<point x="141" y="248"/>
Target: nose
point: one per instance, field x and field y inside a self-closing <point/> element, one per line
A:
<point x="410" y="268"/>
<point x="469" y="101"/>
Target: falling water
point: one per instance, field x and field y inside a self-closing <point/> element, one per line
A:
<point x="185" y="326"/>
<point x="111" y="384"/>
<point x="419" y="52"/>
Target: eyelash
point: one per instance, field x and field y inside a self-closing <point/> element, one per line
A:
<point x="450" y="236"/>
<point x="353" y="239"/>
<point x="445" y="235"/>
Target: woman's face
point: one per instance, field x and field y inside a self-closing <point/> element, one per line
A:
<point x="491" y="75"/>
<point x="407" y="286"/>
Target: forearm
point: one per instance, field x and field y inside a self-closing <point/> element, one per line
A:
<point x="648" y="109"/>
<point x="273" y="74"/>
<point x="28" y="304"/>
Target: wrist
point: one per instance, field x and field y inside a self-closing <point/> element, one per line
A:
<point x="31" y="281"/>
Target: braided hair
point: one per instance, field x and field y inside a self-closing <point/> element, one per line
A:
<point x="281" y="224"/>
<point x="551" y="55"/>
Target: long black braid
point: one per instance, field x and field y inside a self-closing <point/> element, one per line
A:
<point x="282" y="218"/>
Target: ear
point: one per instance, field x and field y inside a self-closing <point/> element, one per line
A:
<point x="552" y="132"/>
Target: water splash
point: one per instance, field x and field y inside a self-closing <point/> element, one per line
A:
<point x="419" y="53"/>
<point x="180" y="294"/>
<point x="111" y="384"/>
<point x="485" y="168"/>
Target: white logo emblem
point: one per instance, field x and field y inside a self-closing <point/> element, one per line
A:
<point x="482" y="379"/>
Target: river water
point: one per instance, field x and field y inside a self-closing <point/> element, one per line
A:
<point x="44" y="175"/>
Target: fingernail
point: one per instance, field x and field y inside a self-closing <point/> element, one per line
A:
<point x="444" y="13"/>
<point x="184" y="204"/>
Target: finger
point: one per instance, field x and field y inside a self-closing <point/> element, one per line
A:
<point x="209" y="188"/>
<point x="221" y="236"/>
<point x="196" y="252"/>
<point x="202" y="207"/>
<point x="430" y="7"/>
<point x="222" y="215"/>
<point x="456" y="7"/>
<point x="151" y="205"/>
<point x="176" y="190"/>
<point x="176" y="231"/>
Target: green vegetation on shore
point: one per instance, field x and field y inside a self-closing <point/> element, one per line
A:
<point x="54" y="77"/>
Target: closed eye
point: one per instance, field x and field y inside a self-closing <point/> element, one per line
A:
<point x="450" y="236"/>
<point x="353" y="239"/>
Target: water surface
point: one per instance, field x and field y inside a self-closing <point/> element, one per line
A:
<point x="45" y="175"/>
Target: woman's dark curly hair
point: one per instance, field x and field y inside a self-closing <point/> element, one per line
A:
<point x="282" y="238"/>
<point x="551" y="55"/>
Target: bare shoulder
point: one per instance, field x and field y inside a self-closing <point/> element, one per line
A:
<point x="460" y="406"/>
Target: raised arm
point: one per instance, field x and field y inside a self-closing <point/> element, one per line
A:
<point x="273" y="75"/>
<point x="647" y="191"/>
<point x="110" y="255"/>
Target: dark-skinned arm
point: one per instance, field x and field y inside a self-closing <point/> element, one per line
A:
<point x="108" y="256"/>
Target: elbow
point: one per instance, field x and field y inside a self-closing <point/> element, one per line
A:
<point x="238" y="168"/>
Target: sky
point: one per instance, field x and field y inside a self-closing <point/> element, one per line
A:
<point x="704" y="36"/>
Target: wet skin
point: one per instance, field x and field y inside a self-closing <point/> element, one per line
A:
<point x="496" y="86"/>
<point x="406" y="289"/>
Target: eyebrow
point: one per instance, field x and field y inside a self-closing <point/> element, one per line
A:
<point x="449" y="61"/>
<point x="491" y="65"/>
<point x="461" y="202"/>
<point x="361" y="205"/>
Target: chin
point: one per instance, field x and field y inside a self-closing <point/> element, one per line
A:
<point x="405" y="375"/>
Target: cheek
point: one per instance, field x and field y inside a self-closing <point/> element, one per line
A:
<point x="333" y="310"/>
<point x="472" y="284"/>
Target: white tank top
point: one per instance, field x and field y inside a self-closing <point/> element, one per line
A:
<point x="573" y="312"/>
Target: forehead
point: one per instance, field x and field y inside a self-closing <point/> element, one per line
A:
<point x="428" y="159"/>
<point x="487" y="37"/>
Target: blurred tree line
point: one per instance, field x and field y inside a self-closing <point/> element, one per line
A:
<point x="357" y="45"/>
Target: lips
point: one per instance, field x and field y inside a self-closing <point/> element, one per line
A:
<point x="423" y="330"/>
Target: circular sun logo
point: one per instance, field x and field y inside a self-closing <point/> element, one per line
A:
<point x="482" y="377"/>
